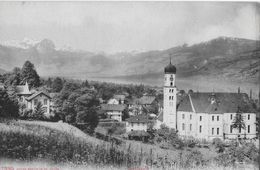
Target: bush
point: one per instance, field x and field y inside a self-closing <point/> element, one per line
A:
<point x="219" y="145"/>
<point x="191" y="160"/>
<point x="246" y="153"/>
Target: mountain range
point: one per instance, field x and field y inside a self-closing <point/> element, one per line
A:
<point x="221" y="59"/>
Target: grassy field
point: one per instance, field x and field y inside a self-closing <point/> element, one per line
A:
<point x="27" y="142"/>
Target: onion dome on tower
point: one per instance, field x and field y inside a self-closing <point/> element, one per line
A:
<point x="171" y="69"/>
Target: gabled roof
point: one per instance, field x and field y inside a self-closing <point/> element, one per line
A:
<point x="217" y="103"/>
<point x="36" y="94"/>
<point x="142" y="118"/>
<point x="23" y="89"/>
<point x="184" y="104"/>
<point x="160" y="116"/>
<point x="146" y="100"/>
<point x="113" y="107"/>
<point x="132" y="101"/>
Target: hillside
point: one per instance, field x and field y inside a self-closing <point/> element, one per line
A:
<point x="229" y="57"/>
<point x="62" y="143"/>
<point x="221" y="59"/>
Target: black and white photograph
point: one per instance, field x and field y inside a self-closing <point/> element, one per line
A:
<point x="129" y="85"/>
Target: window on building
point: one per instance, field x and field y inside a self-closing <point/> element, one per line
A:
<point x="239" y="130"/>
<point x="231" y="117"/>
<point x="217" y="131"/>
<point x="45" y="101"/>
<point x="171" y="83"/>
<point x="212" y="118"/>
<point x="190" y="127"/>
<point x="200" y="118"/>
<point x="248" y="116"/>
<point x="183" y="116"/>
<point x="248" y="129"/>
<point x="183" y="126"/>
<point x="169" y="97"/>
<point x="217" y="118"/>
<point x="200" y="128"/>
<point x="190" y="117"/>
<point x="212" y="131"/>
<point x="231" y="128"/>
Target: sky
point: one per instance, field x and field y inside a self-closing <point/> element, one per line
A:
<point x="127" y="26"/>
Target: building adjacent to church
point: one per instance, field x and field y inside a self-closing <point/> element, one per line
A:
<point x="205" y="115"/>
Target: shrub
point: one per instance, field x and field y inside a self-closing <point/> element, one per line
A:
<point x="191" y="160"/>
<point x="219" y="145"/>
<point x="246" y="153"/>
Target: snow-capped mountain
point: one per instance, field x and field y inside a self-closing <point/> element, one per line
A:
<point x="24" y="44"/>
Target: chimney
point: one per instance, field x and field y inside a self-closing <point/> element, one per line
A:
<point x="238" y="91"/>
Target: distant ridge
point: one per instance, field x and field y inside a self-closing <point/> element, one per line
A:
<point x="225" y="57"/>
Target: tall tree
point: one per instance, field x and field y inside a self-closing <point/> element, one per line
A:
<point x="88" y="116"/>
<point x="8" y="106"/>
<point x="238" y="122"/>
<point x="30" y="75"/>
<point x="49" y="82"/>
<point x="38" y="111"/>
<point x="85" y="84"/>
<point x="57" y="84"/>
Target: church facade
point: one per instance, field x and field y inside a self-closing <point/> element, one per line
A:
<point x="204" y="115"/>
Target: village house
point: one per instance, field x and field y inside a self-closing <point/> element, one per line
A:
<point x="146" y="103"/>
<point x="138" y="123"/>
<point x="30" y="99"/>
<point x="113" y="111"/>
<point x="117" y="99"/>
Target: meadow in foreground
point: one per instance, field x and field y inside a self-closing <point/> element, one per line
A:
<point x="66" y="146"/>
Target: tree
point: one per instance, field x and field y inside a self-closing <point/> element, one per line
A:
<point x="88" y="116"/>
<point x="57" y="84"/>
<point x="238" y="122"/>
<point x="38" y="112"/>
<point x="125" y="114"/>
<point x="49" y="82"/>
<point x="8" y="106"/>
<point x="85" y="84"/>
<point x="13" y="78"/>
<point x="67" y="89"/>
<point x="30" y="75"/>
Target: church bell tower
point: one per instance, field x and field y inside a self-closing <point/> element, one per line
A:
<point x="169" y="97"/>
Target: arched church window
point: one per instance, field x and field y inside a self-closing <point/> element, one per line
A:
<point x="171" y="83"/>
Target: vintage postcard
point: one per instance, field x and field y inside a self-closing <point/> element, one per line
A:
<point x="129" y="85"/>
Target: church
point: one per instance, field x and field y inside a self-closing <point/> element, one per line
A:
<point x="205" y="115"/>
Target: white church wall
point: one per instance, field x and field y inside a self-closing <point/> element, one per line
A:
<point x="215" y="126"/>
<point x="186" y="123"/>
<point x="249" y="132"/>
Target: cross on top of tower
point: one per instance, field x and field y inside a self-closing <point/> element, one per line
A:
<point x="171" y="69"/>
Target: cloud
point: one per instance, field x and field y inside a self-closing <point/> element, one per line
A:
<point x="127" y="26"/>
